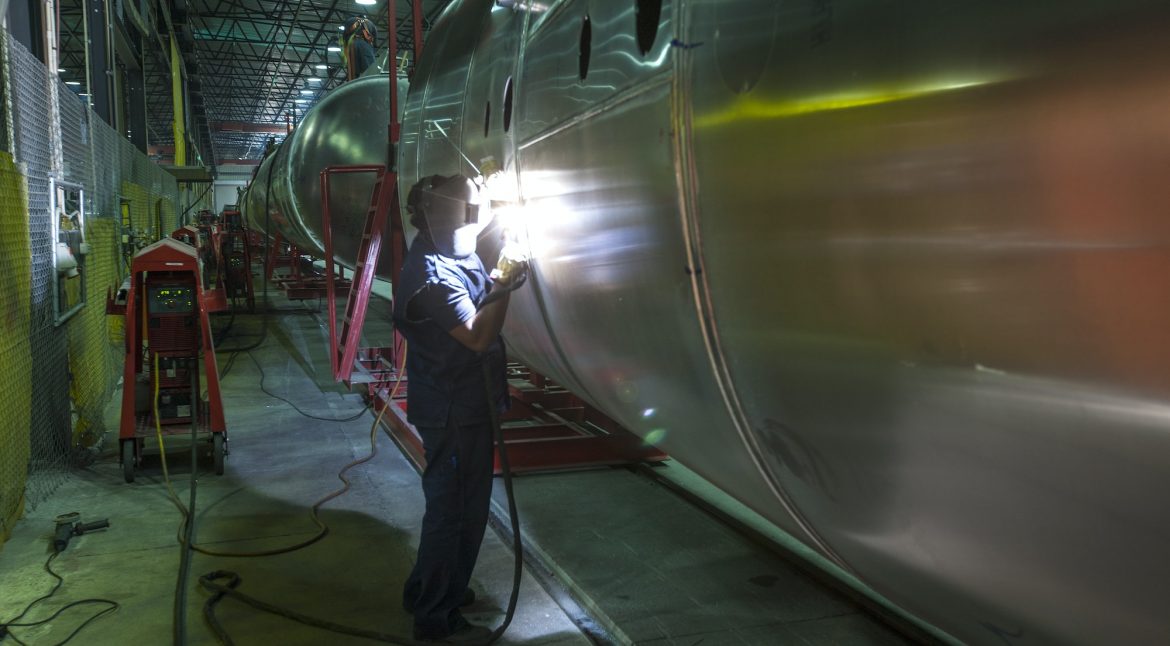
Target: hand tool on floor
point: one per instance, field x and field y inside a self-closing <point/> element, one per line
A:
<point x="70" y="525"/>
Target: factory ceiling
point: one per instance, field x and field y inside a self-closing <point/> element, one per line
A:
<point x="252" y="66"/>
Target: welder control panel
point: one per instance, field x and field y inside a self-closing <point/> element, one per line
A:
<point x="171" y="299"/>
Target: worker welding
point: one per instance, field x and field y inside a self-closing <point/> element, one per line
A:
<point x="576" y="323"/>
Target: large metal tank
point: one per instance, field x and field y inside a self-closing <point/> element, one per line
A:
<point x="347" y="127"/>
<point x="893" y="274"/>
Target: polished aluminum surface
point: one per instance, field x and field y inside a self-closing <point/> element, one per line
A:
<point x="893" y="274"/>
<point x="347" y="127"/>
<point x="941" y="288"/>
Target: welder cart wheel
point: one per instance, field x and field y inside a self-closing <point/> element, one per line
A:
<point x="128" y="460"/>
<point x="217" y="451"/>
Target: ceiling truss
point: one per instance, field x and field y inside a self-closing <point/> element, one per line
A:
<point x="246" y="64"/>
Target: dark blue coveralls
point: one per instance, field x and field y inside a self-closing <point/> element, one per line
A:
<point x="363" y="56"/>
<point x="447" y="402"/>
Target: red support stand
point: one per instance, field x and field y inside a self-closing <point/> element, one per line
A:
<point x="297" y="284"/>
<point x="274" y="255"/>
<point x="343" y="347"/>
<point x="547" y="429"/>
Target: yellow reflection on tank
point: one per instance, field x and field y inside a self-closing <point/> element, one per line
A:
<point x="749" y="108"/>
<point x="654" y="436"/>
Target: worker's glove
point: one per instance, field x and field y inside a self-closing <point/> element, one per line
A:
<point x="512" y="269"/>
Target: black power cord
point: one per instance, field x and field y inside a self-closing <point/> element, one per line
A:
<point x="6" y="627"/>
<point x="193" y="204"/>
<point x="275" y="396"/>
<point x="210" y="581"/>
<point x="220" y="591"/>
<point x="179" y="622"/>
<point x="506" y="469"/>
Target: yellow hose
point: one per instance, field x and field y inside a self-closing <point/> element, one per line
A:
<point x="162" y="447"/>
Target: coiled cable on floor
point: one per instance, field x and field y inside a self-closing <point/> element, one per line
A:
<point x="5" y="627"/>
<point x="186" y="537"/>
<point x="185" y="529"/>
<point x="210" y="581"/>
<point x="219" y="591"/>
<point x="295" y="407"/>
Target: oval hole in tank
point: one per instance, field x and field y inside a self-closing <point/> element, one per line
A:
<point x="646" y="14"/>
<point x="586" y="47"/>
<point x="487" y="116"/>
<point x="508" y="104"/>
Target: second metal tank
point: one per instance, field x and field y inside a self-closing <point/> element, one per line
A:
<point x="895" y="275"/>
<point x="347" y="127"/>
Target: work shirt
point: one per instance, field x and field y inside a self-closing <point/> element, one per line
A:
<point x="363" y="56"/>
<point x="445" y="378"/>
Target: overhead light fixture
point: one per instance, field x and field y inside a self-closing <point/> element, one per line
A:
<point x="302" y="100"/>
<point x="72" y="82"/>
<point x="83" y="94"/>
<point x="321" y="66"/>
<point x="333" y="47"/>
<point x="306" y="91"/>
<point x="366" y="1"/>
<point x="340" y="27"/>
<point x="313" y="79"/>
<point x="61" y="70"/>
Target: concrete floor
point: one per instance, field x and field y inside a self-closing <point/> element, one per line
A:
<point x="648" y="570"/>
<point x="280" y="463"/>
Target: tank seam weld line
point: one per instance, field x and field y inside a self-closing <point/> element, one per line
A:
<point x="688" y="178"/>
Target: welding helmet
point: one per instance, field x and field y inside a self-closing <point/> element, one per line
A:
<point x="449" y="211"/>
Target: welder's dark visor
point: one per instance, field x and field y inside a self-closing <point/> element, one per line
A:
<point x="453" y="207"/>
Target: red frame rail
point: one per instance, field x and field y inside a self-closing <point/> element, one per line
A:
<point x="547" y="429"/>
<point x="343" y="348"/>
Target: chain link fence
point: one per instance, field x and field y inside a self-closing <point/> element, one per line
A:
<point x="51" y="134"/>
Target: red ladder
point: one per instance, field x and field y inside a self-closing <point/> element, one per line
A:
<point x="343" y="348"/>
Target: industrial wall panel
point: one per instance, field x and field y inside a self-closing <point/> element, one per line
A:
<point x="33" y="122"/>
<point x="75" y="143"/>
<point x="93" y="359"/>
<point x="55" y="135"/>
<point x="15" y="353"/>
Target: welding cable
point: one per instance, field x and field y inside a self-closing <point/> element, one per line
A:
<point x="217" y="338"/>
<point x="162" y="446"/>
<point x="506" y="470"/>
<point x="255" y="344"/>
<point x="219" y="591"/>
<point x="231" y="363"/>
<point x="5" y="627"/>
<point x="313" y="511"/>
<point x="267" y="303"/>
<point x="184" y="529"/>
<point x="179" y="621"/>
<point x="322" y="419"/>
<point x="210" y="580"/>
<point x="268" y="229"/>
<point x="192" y="205"/>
